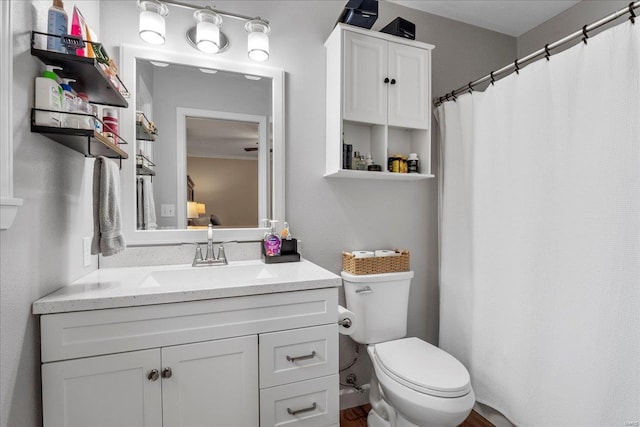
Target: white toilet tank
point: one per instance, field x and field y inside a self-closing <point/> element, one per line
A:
<point x="379" y="302"/>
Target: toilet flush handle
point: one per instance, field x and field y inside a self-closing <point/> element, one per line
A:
<point x="365" y="290"/>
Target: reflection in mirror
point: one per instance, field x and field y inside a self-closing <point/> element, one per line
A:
<point x="222" y="170"/>
<point x="210" y="147"/>
<point x="198" y="105"/>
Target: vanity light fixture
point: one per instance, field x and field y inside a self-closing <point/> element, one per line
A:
<point x="258" y="39"/>
<point x="206" y="35"/>
<point x="151" y="24"/>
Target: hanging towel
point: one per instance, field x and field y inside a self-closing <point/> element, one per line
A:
<point x="139" y="205"/>
<point x="148" y="204"/>
<point x="107" y="221"/>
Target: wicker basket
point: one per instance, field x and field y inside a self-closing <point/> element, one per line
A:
<point x="375" y="265"/>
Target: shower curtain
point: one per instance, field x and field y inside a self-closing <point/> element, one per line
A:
<point x="540" y="236"/>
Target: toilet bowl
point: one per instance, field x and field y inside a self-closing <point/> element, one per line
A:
<point x="414" y="384"/>
<point x="423" y="384"/>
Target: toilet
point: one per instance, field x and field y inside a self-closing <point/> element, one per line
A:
<point x="414" y="384"/>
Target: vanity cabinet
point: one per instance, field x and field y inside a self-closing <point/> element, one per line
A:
<point x="257" y="360"/>
<point x="378" y="100"/>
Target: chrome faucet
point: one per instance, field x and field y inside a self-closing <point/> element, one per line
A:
<point x="210" y="258"/>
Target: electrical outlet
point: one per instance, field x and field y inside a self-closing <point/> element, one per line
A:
<point x="86" y="251"/>
<point x="168" y="210"/>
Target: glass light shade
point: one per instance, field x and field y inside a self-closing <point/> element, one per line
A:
<point x="258" y="40"/>
<point x="207" y="30"/>
<point x="151" y="24"/>
<point x="192" y="210"/>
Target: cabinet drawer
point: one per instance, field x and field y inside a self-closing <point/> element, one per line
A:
<point x="312" y="403"/>
<point x="298" y="354"/>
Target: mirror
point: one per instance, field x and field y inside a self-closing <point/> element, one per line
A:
<point x="218" y="155"/>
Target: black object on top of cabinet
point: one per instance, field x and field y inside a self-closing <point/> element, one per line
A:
<point x="87" y="72"/>
<point x="401" y="27"/>
<point x="361" y="13"/>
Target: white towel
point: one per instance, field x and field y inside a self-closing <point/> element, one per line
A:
<point x="107" y="221"/>
<point x="148" y="204"/>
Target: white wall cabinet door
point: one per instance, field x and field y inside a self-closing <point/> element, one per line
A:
<point x="365" y="69"/>
<point x="409" y="91"/>
<point x="103" y="391"/>
<point x="211" y="383"/>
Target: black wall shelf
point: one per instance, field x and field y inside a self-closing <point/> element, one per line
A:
<point x="88" y="73"/>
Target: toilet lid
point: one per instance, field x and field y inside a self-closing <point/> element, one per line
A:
<point x="423" y="367"/>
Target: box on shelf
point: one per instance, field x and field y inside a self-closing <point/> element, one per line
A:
<point x="376" y="265"/>
<point x="361" y="13"/>
<point x="401" y="27"/>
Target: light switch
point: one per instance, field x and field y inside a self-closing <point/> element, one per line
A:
<point x="168" y="210"/>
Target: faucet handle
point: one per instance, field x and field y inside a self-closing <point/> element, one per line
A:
<point x="198" y="252"/>
<point x="221" y="254"/>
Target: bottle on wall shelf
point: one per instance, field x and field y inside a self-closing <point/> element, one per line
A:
<point x="272" y="241"/>
<point x="48" y="96"/>
<point x="413" y="163"/>
<point x="69" y="104"/>
<point x="355" y="161"/>
<point x="57" y="24"/>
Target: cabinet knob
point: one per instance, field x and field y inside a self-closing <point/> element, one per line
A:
<point x="393" y="81"/>
<point x="153" y="375"/>
<point x="386" y="79"/>
<point x="167" y="373"/>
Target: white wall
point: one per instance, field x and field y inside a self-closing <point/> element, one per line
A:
<point x="43" y="249"/>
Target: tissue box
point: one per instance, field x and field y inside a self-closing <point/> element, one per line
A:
<point x="402" y="28"/>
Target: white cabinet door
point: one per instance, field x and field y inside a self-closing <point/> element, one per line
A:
<point x="365" y="69"/>
<point x="409" y="90"/>
<point x="213" y="383"/>
<point x="103" y="391"/>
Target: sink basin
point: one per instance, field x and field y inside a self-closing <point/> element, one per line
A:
<point x="224" y="276"/>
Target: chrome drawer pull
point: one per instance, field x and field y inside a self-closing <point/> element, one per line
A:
<point x="365" y="290"/>
<point x="308" y="356"/>
<point x="300" y="411"/>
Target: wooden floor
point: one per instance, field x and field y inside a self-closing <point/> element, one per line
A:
<point x="357" y="417"/>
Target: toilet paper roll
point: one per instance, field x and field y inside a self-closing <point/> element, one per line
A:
<point x="363" y="254"/>
<point x="346" y="321"/>
<point x="386" y="252"/>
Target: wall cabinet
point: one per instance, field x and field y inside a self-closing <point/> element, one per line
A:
<point x="378" y="100"/>
<point x="266" y="360"/>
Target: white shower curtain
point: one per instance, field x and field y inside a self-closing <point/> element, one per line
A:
<point x="540" y="236"/>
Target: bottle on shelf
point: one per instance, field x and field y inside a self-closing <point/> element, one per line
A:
<point x="355" y="162"/>
<point x="85" y="122"/>
<point x="48" y="94"/>
<point x="69" y="105"/>
<point x="57" y="24"/>
<point x="413" y="163"/>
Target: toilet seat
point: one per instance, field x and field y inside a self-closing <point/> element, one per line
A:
<point x="422" y="367"/>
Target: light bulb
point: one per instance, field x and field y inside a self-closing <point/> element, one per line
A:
<point x="151" y="24"/>
<point x="258" y="40"/>
<point x="207" y="30"/>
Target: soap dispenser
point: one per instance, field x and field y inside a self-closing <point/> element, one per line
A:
<point x="272" y="241"/>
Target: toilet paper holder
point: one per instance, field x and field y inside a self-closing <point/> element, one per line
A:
<point x="345" y="322"/>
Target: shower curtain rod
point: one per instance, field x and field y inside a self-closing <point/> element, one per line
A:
<point x="546" y="51"/>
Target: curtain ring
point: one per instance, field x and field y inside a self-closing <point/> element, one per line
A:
<point x="632" y="18"/>
<point x="517" y="67"/>
<point x="453" y="95"/>
<point x="493" y="80"/>
<point x="446" y="96"/>
<point x="470" y="87"/>
<point x="585" y="33"/>
<point x="547" y="53"/>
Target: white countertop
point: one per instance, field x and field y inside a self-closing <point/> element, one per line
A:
<point x="136" y="286"/>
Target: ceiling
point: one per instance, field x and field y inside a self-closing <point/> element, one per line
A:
<point x="221" y="138"/>
<point x="512" y="17"/>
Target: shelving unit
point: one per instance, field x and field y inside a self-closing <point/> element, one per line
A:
<point x="144" y="129"/>
<point x="144" y="165"/>
<point x="378" y="101"/>
<point x="99" y="87"/>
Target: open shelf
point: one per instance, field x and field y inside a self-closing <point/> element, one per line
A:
<point x="144" y="165"/>
<point x="88" y="73"/>
<point x="85" y="141"/>
<point x="145" y="130"/>
<point x="348" y="173"/>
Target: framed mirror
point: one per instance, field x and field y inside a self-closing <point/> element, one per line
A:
<point x="206" y="142"/>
